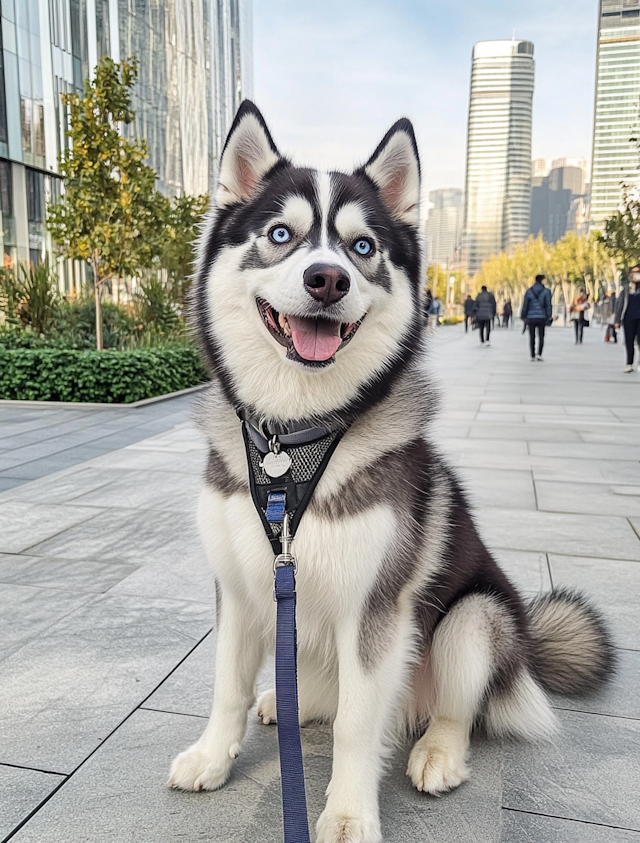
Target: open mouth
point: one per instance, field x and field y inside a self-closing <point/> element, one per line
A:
<point x="308" y="339"/>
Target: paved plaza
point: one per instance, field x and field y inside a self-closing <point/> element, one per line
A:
<point x="107" y="612"/>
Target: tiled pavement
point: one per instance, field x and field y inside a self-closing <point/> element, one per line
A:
<point x="107" y="607"/>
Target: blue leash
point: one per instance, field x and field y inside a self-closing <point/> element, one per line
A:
<point x="294" y="802"/>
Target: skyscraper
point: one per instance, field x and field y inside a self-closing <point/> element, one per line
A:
<point x="553" y="199"/>
<point x="195" y="66"/>
<point x="498" y="181"/>
<point x="443" y="225"/>
<point x="616" y="122"/>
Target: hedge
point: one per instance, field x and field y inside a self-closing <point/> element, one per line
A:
<point x="48" y="374"/>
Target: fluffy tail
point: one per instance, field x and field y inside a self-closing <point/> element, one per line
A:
<point x="572" y="649"/>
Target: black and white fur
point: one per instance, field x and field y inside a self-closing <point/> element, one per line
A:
<point x="404" y="618"/>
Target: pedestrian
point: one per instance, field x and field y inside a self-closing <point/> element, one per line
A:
<point x="536" y="312"/>
<point x="484" y="309"/>
<point x="469" y="305"/>
<point x="628" y="314"/>
<point x="428" y="299"/>
<point x="578" y="312"/>
<point x="609" y="313"/>
<point x="507" y="313"/>
<point x="435" y="312"/>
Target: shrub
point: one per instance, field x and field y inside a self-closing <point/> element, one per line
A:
<point x="56" y="374"/>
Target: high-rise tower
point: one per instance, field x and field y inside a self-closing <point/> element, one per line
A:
<point x="195" y="66"/>
<point x="616" y="122"/>
<point x="498" y="182"/>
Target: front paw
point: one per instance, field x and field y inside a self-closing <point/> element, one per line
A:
<point x="267" y="707"/>
<point x="195" y="769"/>
<point x="347" y="827"/>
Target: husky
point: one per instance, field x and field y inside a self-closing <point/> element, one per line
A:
<point x="308" y="305"/>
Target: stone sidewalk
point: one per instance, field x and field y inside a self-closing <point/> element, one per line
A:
<point x="107" y="610"/>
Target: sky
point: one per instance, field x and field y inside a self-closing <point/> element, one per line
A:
<point x="331" y="76"/>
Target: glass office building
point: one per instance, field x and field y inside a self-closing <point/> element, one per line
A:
<point x="195" y="66"/>
<point x="443" y="226"/>
<point x="616" y="130"/>
<point x="498" y="178"/>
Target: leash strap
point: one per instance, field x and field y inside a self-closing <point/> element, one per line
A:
<point x="294" y="800"/>
<point x="280" y="502"/>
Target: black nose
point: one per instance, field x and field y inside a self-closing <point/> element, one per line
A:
<point x="326" y="282"/>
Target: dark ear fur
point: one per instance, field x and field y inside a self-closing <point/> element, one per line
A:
<point x="249" y="154"/>
<point x="394" y="168"/>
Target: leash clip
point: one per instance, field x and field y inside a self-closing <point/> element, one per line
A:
<point x="286" y="558"/>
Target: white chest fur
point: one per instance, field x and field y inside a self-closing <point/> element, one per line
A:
<point x="338" y="561"/>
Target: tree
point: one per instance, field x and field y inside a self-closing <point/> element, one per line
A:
<point x="621" y="235"/>
<point x="183" y="221"/>
<point x="110" y="213"/>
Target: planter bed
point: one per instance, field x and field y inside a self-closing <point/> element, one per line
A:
<point x="102" y="377"/>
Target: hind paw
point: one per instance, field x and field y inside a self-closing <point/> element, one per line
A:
<point x="438" y="763"/>
<point x="267" y="707"/>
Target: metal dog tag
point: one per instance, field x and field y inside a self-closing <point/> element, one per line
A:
<point x="275" y="465"/>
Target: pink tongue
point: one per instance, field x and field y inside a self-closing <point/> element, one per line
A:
<point x="315" y="339"/>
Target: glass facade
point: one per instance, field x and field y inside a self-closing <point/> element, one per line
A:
<point x="443" y="226"/>
<point x="195" y="66"/>
<point x="616" y="130"/>
<point x="498" y="177"/>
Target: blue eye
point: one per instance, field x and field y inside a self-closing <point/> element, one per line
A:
<point x="363" y="247"/>
<point x="280" y="234"/>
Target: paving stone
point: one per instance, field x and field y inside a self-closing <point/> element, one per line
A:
<point x="499" y="488"/>
<point x="22" y="792"/>
<point x="157" y="490"/>
<point x="184" y="574"/>
<point x="528" y="432"/>
<point x="589" y="772"/>
<point x="27" y="612"/>
<point x="61" y="695"/>
<point x="598" y="536"/>
<point x="612" y="584"/>
<point x="119" y="534"/>
<point x="523" y="827"/>
<point x="85" y="576"/>
<point x="64" y="486"/>
<point x="23" y="525"/>
<point x="528" y="571"/>
<point x="587" y="498"/>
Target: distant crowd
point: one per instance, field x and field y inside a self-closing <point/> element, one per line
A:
<point x="536" y="314"/>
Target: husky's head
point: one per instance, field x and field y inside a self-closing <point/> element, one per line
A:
<point x="308" y="283"/>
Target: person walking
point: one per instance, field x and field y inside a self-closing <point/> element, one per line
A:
<point x="484" y="310"/>
<point x="435" y="312"/>
<point x="628" y="314"/>
<point x="469" y="305"/>
<point x="609" y="311"/>
<point x="536" y="313"/>
<point x="507" y="313"/>
<point x="579" y="311"/>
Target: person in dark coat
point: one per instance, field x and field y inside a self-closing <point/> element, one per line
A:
<point x="536" y="313"/>
<point x="628" y="314"/>
<point x="484" y="309"/>
<point x="507" y="313"/>
<point x="469" y="304"/>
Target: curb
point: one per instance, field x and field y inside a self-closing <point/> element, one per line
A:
<point x="86" y="405"/>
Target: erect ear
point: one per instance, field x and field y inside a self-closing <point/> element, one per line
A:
<point x="394" y="168"/>
<point x="248" y="155"/>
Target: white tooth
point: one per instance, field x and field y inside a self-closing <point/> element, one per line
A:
<point x="282" y="321"/>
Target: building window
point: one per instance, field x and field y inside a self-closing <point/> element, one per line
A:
<point x="35" y="195"/>
<point x="6" y="193"/>
<point x="3" y="98"/>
